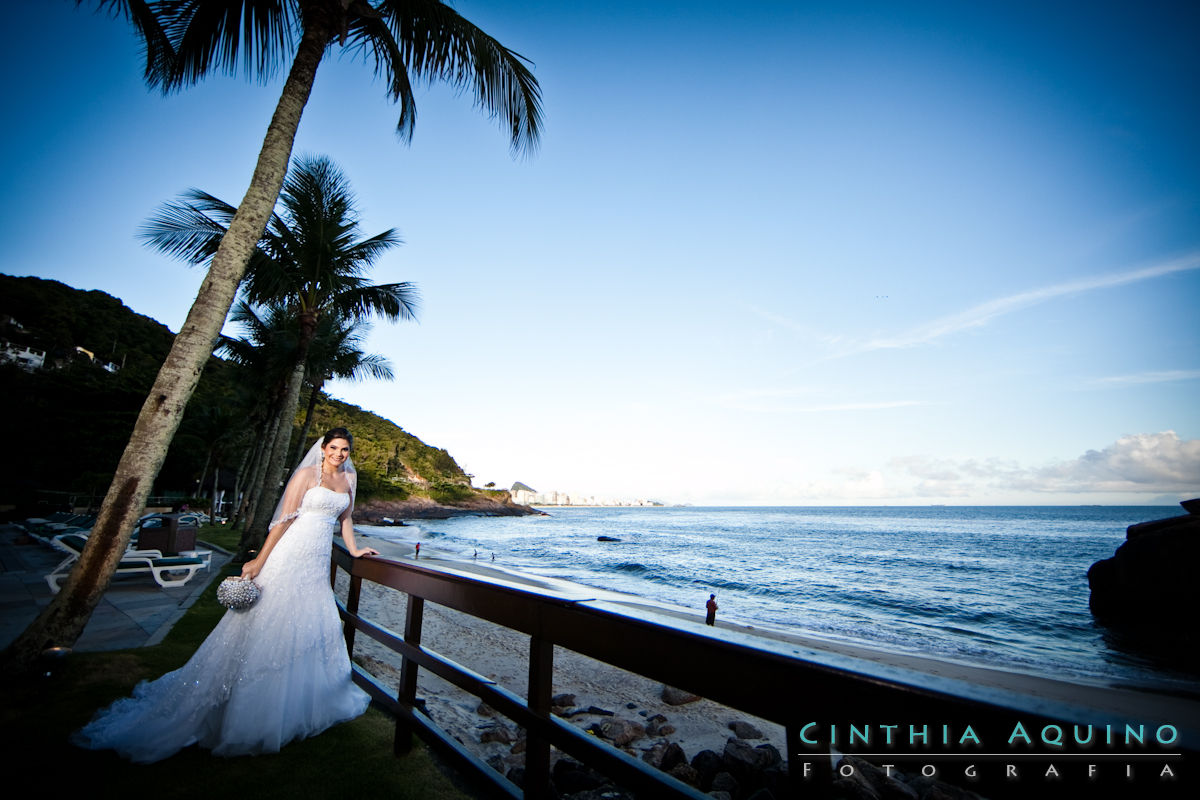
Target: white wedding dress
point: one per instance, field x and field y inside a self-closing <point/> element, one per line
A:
<point x="272" y="673"/>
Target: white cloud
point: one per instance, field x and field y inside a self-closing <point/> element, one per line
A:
<point x="1165" y="376"/>
<point x="1146" y="462"/>
<point x="979" y="315"/>
<point x="982" y="314"/>
<point x="1147" y="468"/>
<point x="1139" y="464"/>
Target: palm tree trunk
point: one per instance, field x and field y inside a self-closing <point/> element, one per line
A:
<point x="251" y="458"/>
<point x="262" y="458"/>
<point x="64" y="619"/>
<point x="256" y="530"/>
<point x="308" y="415"/>
<point x="203" y="474"/>
<point x="236" y="503"/>
<point x="212" y="501"/>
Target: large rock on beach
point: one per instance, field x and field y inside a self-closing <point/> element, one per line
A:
<point x="677" y="697"/>
<point x="621" y="731"/>
<point x="707" y="764"/>
<point x="744" y="730"/>
<point x="686" y="773"/>
<point x="496" y="732"/>
<point x="570" y="777"/>
<point x="868" y="780"/>
<point x="724" y="782"/>
<point x="743" y="758"/>
<point x="658" y="726"/>
<point x="1147" y="593"/>
<point x="595" y="711"/>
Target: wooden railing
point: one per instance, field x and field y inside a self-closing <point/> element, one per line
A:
<point x="775" y="681"/>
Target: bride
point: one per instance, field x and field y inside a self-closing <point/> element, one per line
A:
<point x="275" y="672"/>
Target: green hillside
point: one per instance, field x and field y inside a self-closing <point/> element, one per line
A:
<point x="72" y="418"/>
<point x="391" y="463"/>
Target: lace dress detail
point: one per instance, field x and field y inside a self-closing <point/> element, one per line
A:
<point x="264" y="676"/>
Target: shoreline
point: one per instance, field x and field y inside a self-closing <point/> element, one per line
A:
<point x="373" y="512"/>
<point x="502" y="655"/>
<point x="909" y="659"/>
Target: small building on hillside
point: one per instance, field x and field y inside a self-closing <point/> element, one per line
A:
<point x="25" y="357"/>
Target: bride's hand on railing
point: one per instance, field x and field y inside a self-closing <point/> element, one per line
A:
<point x="366" y="551"/>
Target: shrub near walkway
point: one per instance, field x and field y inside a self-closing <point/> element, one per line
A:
<point x="36" y="716"/>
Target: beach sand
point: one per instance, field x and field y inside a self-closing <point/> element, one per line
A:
<point x="502" y="655"/>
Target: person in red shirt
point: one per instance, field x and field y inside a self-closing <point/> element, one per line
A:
<point x="711" y="605"/>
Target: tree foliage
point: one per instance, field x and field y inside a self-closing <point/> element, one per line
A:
<point x="81" y="414"/>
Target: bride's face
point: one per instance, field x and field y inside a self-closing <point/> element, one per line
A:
<point x="336" y="453"/>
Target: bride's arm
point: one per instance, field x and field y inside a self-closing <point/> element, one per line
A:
<point x="251" y="568"/>
<point x="347" y="521"/>
<point x="293" y="495"/>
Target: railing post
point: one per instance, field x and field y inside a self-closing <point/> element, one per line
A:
<point x="352" y="607"/>
<point x="537" y="749"/>
<point x="408" y="672"/>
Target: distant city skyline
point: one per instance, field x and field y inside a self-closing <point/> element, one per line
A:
<point x="530" y="497"/>
<point x="768" y="254"/>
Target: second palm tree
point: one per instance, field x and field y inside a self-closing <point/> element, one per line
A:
<point x="309" y="261"/>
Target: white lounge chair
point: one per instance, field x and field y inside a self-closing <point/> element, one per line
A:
<point x="134" y="562"/>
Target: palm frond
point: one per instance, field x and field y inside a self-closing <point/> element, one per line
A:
<point x="147" y="22"/>
<point x="221" y="35"/>
<point x="392" y="301"/>
<point x="370" y="365"/>
<point x="183" y="231"/>
<point x="336" y="352"/>
<point x="370" y="35"/>
<point x="213" y="206"/>
<point x="438" y="44"/>
<point x="271" y="339"/>
<point x="365" y="251"/>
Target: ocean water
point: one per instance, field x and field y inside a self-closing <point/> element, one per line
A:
<point x="1002" y="587"/>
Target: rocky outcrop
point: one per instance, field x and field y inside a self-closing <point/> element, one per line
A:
<point x="372" y="512"/>
<point x="1148" y="592"/>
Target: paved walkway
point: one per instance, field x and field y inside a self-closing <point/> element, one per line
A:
<point x="135" y="611"/>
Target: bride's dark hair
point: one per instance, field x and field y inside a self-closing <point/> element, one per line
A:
<point x="337" y="433"/>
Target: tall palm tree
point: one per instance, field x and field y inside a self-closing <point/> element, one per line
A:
<point x="184" y="40"/>
<point x="337" y="352"/>
<point x="309" y="262"/>
<point x="268" y="352"/>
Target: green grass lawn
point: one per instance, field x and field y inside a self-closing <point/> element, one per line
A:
<point x="353" y="759"/>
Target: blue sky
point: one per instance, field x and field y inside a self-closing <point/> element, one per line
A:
<point x="768" y="253"/>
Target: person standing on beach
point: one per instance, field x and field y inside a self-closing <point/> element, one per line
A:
<point x="711" y="605"/>
<point x="417" y="551"/>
